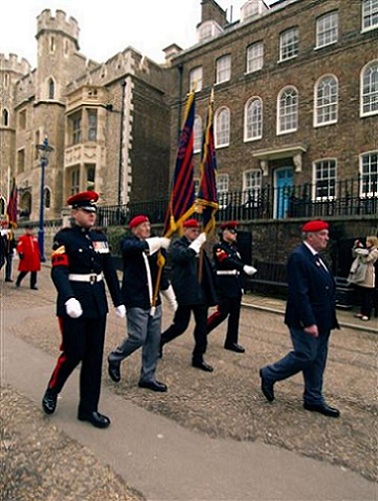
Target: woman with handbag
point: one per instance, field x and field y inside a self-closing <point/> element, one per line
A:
<point x="365" y="257"/>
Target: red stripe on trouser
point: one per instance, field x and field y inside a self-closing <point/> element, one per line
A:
<point x="213" y="317"/>
<point x="61" y="360"/>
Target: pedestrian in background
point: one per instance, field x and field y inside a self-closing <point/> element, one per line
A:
<point x="81" y="262"/>
<point x="9" y="246"/>
<point x="143" y="304"/>
<point x="229" y="285"/>
<point x="310" y="315"/>
<point x="367" y="257"/>
<point x="30" y="260"/>
<point x="192" y="281"/>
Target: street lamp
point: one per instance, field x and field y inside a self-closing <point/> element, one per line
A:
<point x="44" y="151"/>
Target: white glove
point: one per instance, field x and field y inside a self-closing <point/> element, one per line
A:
<point x="249" y="270"/>
<point x="73" y="308"/>
<point x="156" y="243"/>
<point x="198" y="242"/>
<point x="120" y="311"/>
<point x="170" y="296"/>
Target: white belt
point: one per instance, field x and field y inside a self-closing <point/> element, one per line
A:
<point x="228" y="272"/>
<point x="85" y="277"/>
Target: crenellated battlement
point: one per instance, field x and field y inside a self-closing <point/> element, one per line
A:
<point x="47" y="22"/>
<point x="14" y="64"/>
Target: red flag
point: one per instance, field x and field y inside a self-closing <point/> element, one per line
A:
<point x="181" y="202"/>
<point x="207" y="202"/>
<point x="12" y="205"/>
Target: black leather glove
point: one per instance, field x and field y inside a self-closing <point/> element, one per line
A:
<point x="21" y="255"/>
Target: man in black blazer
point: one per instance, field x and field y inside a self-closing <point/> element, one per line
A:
<point x="310" y="316"/>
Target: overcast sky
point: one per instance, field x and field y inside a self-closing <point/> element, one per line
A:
<point x="109" y="26"/>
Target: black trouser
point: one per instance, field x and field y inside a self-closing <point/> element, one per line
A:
<point x="180" y="324"/>
<point x="82" y="341"/>
<point x="367" y="299"/>
<point x="227" y="307"/>
<point x="33" y="278"/>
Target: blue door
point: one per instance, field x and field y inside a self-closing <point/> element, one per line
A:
<point x="283" y="184"/>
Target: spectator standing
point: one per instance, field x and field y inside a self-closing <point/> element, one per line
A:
<point x="140" y="270"/>
<point x="30" y="261"/>
<point x="81" y="262"/>
<point x="192" y="281"/>
<point x="229" y="283"/>
<point x="310" y="315"/>
<point x="367" y="256"/>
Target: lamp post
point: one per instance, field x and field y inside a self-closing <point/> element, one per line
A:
<point x="44" y="151"/>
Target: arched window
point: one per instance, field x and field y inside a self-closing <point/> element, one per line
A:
<point x="222" y="127"/>
<point x="5" y="117"/>
<point x="287" y="110"/>
<point x="253" y="119"/>
<point x="51" y="89"/>
<point x="326" y="100"/>
<point x="369" y="89"/>
<point x="197" y="132"/>
<point x="47" y="196"/>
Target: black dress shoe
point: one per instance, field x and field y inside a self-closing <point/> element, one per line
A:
<point x="201" y="364"/>
<point x="49" y="401"/>
<point x="324" y="409"/>
<point x="98" y="420"/>
<point x="266" y="388"/>
<point x="8" y="280"/>
<point x="34" y="288"/>
<point x="237" y="348"/>
<point x="114" y="371"/>
<point x="153" y="385"/>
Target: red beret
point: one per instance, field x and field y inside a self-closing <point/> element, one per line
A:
<point x="84" y="200"/>
<point x="316" y="225"/>
<point x="137" y="220"/>
<point x="229" y="225"/>
<point x="191" y="223"/>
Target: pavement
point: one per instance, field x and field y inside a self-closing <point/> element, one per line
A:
<point x="156" y="456"/>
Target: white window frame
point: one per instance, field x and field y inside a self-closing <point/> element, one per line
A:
<point x="222" y="127"/>
<point x="253" y="119"/>
<point x="223" y="69"/>
<point x="255" y="57"/>
<point x="369" y="15"/>
<point x="287" y="110"/>
<point x="327" y="29"/>
<point x="326" y="95"/>
<point x="324" y="171"/>
<point x="195" y="79"/>
<point x="252" y="184"/>
<point x="289" y="44"/>
<point x="208" y="30"/>
<point x="223" y="183"/>
<point x="197" y="134"/>
<point x="369" y="170"/>
<point x="369" y="89"/>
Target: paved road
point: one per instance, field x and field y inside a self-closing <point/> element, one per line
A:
<point x="155" y="455"/>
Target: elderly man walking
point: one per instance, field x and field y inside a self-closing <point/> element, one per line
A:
<point x="310" y="316"/>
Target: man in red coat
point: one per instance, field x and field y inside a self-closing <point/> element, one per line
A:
<point x="28" y="251"/>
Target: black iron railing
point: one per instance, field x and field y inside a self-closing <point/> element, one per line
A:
<point x="351" y="197"/>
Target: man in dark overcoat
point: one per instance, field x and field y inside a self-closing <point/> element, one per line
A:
<point x="310" y="316"/>
<point x="193" y="283"/>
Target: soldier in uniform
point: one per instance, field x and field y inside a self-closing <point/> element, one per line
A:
<point x="140" y="293"/>
<point x="81" y="262"/>
<point x="229" y="271"/>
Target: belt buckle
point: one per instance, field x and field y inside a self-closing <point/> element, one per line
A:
<point x="92" y="278"/>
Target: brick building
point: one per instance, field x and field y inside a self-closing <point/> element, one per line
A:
<point x="295" y="95"/>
